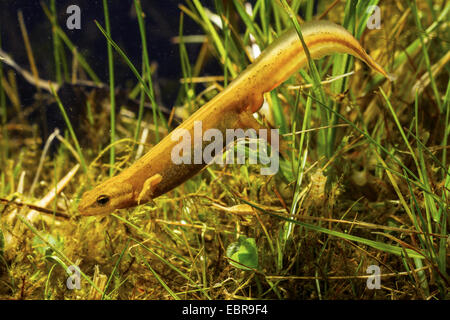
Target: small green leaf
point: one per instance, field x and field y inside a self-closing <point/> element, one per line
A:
<point x="45" y="249"/>
<point x="244" y="252"/>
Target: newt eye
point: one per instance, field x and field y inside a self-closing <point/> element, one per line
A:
<point x="102" y="200"/>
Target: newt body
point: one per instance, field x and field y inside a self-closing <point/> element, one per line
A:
<point x="155" y="174"/>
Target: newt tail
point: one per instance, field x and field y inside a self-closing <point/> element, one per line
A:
<point x="155" y="173"/>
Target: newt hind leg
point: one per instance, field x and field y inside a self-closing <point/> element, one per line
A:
<point x="256" y="101"/>
<point x="246" y="120"/>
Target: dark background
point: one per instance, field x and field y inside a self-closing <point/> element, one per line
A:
<point x="162" y="24"/>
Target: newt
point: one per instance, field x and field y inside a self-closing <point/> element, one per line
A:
<point x="155" y="174"/>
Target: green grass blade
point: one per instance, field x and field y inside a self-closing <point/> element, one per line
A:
<point x="447" y="125"/>
<point x="72" y="133"/>
<point x="4" y="143"/>
<point x="371" y="243"/>
<point x="112" y="96"/>
<point x="160" y="280"/>
<point x="405" y="55"/>
<point x="146" y="60"/>
<point x="426" y="57"/>
<point x="215" y="37"/>
<point x="171" y="266"/>
<point x="71" y="46"/>
<point x="56" y="43"/>
<point x="252" y="27"/>
<point x="116" y="265"/>
<point x="57" y="251"/>
<point x="363" y="15"/>
<point x="189" y="87"/>
<point x="147" y="89"/>
<point x="341" y="65"/>
<point x="317" y="89"/>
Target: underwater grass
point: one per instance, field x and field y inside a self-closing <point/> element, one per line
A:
<point x="72" y="132"/>
<point x="148" y="89"/>
<point x="4" y="114"/>
<point x="56" y="43"/>
<point x="147" y="71"/>
<point x="62" y="35"/>
<point x="308" y="232"/>
<point x="112" y="96"/>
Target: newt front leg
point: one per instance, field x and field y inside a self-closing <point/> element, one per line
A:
<point x="157" y="173"/>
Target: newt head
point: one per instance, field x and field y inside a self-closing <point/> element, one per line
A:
<point x="106" y="197"/>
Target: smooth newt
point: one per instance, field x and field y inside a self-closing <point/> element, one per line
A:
<point x="155" y="174"/>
